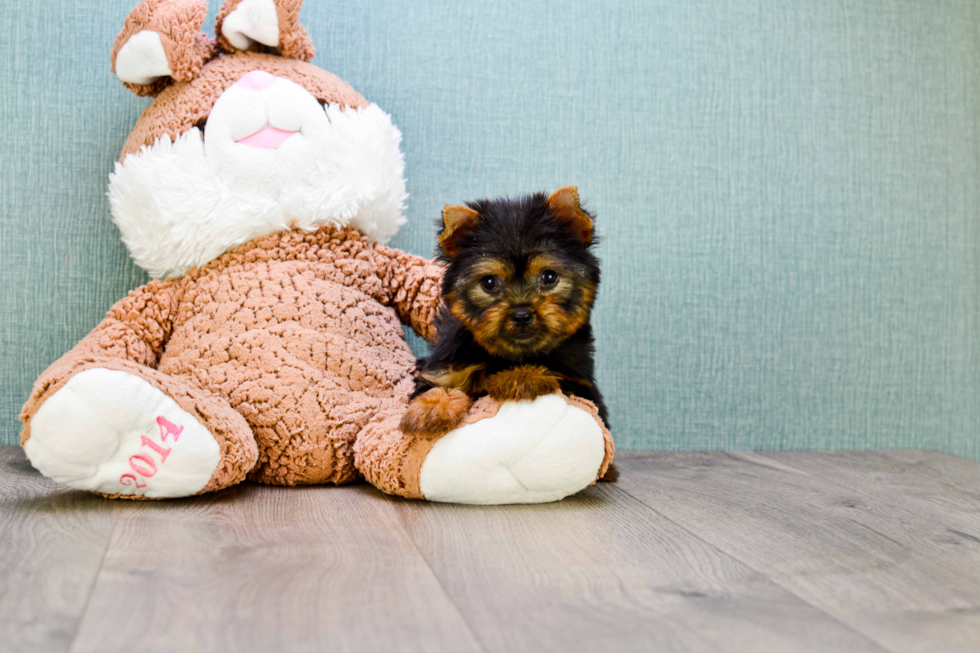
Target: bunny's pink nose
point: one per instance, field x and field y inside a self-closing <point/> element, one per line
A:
<point x="257" y="80"/>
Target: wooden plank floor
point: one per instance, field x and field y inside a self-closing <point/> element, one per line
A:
<point x="795" y="551"/>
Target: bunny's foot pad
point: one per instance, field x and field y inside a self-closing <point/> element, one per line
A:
<point x="111" y="432"/>
<point x="529" y="452"/>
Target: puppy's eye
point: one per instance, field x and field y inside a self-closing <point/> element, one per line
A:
<point x="490" y="283"/>
<point x="549" y="278"/>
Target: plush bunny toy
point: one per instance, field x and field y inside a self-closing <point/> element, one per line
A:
<point x="256" y="189"/>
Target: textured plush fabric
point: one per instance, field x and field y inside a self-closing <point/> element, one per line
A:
<point x="179" y="26"/>
<point x="300" y="333"/>
<point x="294" y="42"/>
<point x="787" y="192"/>
<point x="183" y="105"/>
<point x="392" y="462"/>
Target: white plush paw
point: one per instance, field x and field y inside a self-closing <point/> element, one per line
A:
<point x="111" y="432"/>
<point x="529" y="452"/>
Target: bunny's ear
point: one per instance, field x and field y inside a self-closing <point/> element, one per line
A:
<point x="262" y="25"/>
<point x="160" y="43"/>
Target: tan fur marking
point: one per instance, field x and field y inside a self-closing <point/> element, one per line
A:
<point x="488" y="267"/>
<point x="522" y="382"/>
<point x="562" y="324"/>
<point x="564" y="205"/>
<point x="462" y="379"/>
<point x="455" y="219"/>
<point x="541" y="262"/>
<point x="487" y="329"/>
<point x="435" y="412"/>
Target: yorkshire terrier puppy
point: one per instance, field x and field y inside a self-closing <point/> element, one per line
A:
<point x="518" y="291"/>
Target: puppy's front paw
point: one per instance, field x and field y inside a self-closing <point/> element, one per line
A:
<point x="435" y="412"/>
<point x="522" y="382"/>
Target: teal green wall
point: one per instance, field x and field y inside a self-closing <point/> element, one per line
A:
<point x="788" y="192"/>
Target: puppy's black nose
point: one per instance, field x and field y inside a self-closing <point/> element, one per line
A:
<point x="521" y="317"/>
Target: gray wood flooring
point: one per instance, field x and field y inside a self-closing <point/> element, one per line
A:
<point x="795" y="551"/>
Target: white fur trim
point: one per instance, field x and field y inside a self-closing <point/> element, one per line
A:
<point x="88" y="434"/>
<point x="142" y="60"/>
<point x="181" y="204"/>
<point x="252" y="20"/>
<point x="529" y="452"/>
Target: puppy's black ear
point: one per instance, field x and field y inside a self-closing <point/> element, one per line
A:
<point x="563" y="205"/>
<point x="456" y="221"/>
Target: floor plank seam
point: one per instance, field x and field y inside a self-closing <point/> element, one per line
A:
<point x="95" y="580"/>
<point x="921" y="473"/>
<point x="775" y="581"/>
<point x="843" y="485"/>
<point x="442" y="586"/>
<point x="848" y="487"/>
<point x="749" y="457"/>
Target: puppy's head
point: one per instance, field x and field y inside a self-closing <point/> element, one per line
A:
<point x="521" y="276"/>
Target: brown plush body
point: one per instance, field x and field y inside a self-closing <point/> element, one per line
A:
<point x="294" y="338"/>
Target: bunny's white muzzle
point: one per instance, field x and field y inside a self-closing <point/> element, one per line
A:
<point x="271" y="157"/>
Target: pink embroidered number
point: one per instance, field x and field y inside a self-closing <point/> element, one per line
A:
<point x="136" y="481"/>
<point x="142" y="463"/>
<point x="163" y="451"/>
<point x="147" y="470"/>
<point x="168" y="428"/>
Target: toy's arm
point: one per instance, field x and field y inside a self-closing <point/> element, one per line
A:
<point x="133" y="334"/>
<point x="412" y="287"/>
